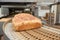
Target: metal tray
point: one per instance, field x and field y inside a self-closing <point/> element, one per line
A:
<point x="43" y="33"/>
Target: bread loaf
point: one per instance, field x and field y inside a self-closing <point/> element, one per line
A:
<point x="25" y="21"/>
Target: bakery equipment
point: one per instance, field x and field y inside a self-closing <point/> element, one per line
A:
<point x="55" y="13"/>
<point x="43" y="33"/>
<point x="8" y="8"/>
<point x="1" y="31"/>
<point x="12" y="9"/>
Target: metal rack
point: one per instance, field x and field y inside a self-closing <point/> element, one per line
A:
<point x="43" y="33"/>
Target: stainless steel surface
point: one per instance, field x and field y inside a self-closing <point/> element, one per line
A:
<point x="57" y="1"/>
<point x="1" y="15"/>
<point x="1" y="31"/>
<point x="17" y="1"/>
<point x="55" y="10"/>
<point x="43" y="33"/>
<point x="13" y="6"/>
<point x="4" y="11"/>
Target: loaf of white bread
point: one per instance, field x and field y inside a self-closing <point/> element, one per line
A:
<point x="25" y="21"/>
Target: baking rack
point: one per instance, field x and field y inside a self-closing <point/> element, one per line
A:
<point x="43" y="33"/>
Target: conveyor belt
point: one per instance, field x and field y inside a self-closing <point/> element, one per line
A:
<point x="43" y="33"/>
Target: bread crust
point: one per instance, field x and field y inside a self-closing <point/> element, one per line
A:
<point x="25" y="21"/>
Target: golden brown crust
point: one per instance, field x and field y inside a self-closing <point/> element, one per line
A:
<point x="25" y="21"/>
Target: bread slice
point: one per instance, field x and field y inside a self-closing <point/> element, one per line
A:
<point x="25" y="21"/>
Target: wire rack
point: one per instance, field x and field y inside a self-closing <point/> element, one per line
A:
<point x="43" y="33"/>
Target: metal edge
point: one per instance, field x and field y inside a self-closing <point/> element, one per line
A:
<point x="3" y="27"/>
